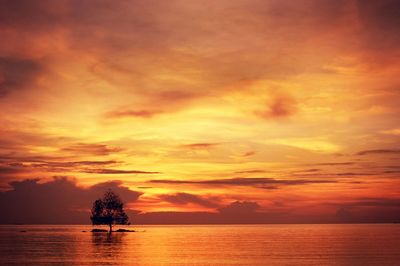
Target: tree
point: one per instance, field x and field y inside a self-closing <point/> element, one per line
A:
<point x="108" y="210"/>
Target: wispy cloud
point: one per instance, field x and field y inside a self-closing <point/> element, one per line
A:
<point x="309" y="144"/>
<point x="117" y="171"/>
<point x="257" y="182"/>
<point x="280" y="106"/>
<point x="395" y="131"/>
<point x="91" y="149"/>
<point x="182" y="198"/>
<point x="379" y="152"/>
<point x="17" y="73"/>
<point x="202" y="145"/>
<point x="133" y="113"/>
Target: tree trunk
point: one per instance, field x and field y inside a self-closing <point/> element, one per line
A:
<point x="110" y="225"/>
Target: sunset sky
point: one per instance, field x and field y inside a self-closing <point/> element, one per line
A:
<point x="221" y="111"/>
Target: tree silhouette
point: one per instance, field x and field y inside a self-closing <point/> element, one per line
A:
<point x="108" y="210"/>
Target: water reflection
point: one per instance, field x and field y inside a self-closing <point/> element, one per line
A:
<point x="255" y="245"/>
<point x="99" y="239"/>
<point x="106" y="246"/>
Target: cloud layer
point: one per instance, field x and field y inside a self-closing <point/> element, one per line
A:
<point x="285" y="109"/>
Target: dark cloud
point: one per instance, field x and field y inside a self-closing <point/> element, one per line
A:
<point x="60" y="200"/>
<point x="13" y="166"/>
<point x="116" y="171"/>
<point x="32" y="15"/>
<point x="248" y="153"/>
<point x="201" y="145"/>
<point x="173" y="96"/>
<point x="355" y="174"/>
<point x="17" y="73"/>
<point x="333" y="164"/>
<point x="281" y="106"/>
<point x="163" y="35"/>
<point x="182" y="198"/>
<point x="376" y="202"/>
<point x="60" y="166"/>
<point x="238" y="212"/>
<point x="164" y="102"/>
<point x="392" y="167"/>
<point x="16" y="137"/>
<point x="256" y="182"/>
<point x="42" y="162"/>
<point x="379" y="152"/>
<point x="252" y="171"/>
<point x="10" y="168"/>
<point x="240" y="208"/>
<point x="91" y="149"/>
<point x="76" y="163"/>
<point x="51" y="161"/>
<point x="312" y="170"/>
<point x="381" y="23"/>
<point x="369" y="209"/>
<point x="133" y="113"/>
<point x="392" y="172"/>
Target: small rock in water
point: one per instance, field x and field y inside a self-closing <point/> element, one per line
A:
<point x="125" y="230"/>
<point x="23" y="231"/>
<point x="99" y="230"/>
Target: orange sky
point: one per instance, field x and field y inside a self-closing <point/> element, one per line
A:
<point x="288" y="107"/>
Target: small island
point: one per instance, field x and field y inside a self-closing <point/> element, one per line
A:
<point x="109" y="210"/>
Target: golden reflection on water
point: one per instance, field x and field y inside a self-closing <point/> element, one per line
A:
<point x="203" y="245"/>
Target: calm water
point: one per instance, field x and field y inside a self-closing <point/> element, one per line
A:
<point x="376" y="244"/>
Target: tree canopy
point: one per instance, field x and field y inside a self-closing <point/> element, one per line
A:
<point x="108" y="210"/>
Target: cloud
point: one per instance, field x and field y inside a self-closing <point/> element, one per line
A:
<point x="165" y="101"/>
<point x="17" y="73"/>
<point x="32" y="15"/>
<point x="256" y="182"/>
<point x="376" y="202"/>
<point x="380" y="21"/>
<point x="237" y="212"/>
<point x="183" y="198"/>
<point x="309" y="144"/>
<point x="133" y="113"/>
<point x="203" y="145"/>
<point x="240" y="208"/>
<point x="18" y="138"/>
<point x="312" y="170"/>
<point x="379" y="152"/>
<point x="116" y="171"/>
<point x="280" y="106"/>
<point x="252" y="171"/>
<point x="67" y="164"/>
<point x="57" y="201"/>
<point x="394" y="132"/>
<point x="10" y="169"/>
<point x="354" y="174"/>
<point x="159" y="51"/>
<point x="139" y="62"/>
<point x="91" y="149"/>
<point x="332" y="164"/>
<point x="369" y="209"/>
<point x="248" y="154"/>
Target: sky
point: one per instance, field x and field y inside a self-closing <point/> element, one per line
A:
<point x="229" y="111"/>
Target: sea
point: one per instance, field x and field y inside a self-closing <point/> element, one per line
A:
<point x="250" y="245"/>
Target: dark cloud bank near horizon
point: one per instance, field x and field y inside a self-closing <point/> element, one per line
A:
<point x="62" y="201"/>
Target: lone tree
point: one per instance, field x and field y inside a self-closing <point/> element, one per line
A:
<point x="108" y="210"/>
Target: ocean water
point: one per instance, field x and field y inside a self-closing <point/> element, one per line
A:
<point x="355" y="244"/>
